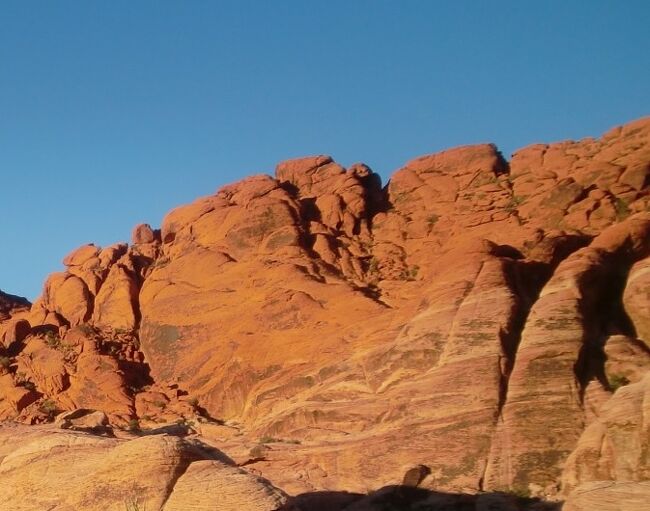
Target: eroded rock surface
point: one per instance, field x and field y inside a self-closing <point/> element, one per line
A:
<point x="611" y="459"/>
<point x="42" y="467"/>
<point x="474" y="316"/>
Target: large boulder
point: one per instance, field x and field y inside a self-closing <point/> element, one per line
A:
<point x="42" y="467"/>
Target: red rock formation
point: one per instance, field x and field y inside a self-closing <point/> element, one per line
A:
<point x="472" y="316"/>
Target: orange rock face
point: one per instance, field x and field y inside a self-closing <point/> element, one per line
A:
<point x="472" y="316"/>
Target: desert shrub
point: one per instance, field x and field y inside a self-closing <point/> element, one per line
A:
<point x="161" y="262"/>
<point x="622" y="209"/>
<point x="185" y="422"/>
<point x="411" y="272"/>
<point x="616" y="381"/>
<point x="134" y="504"/>
<point x="269" y="440"/>
<point x="257" y="452"/>
<point x="52" y="340"/>
<point x="48" y="407"/>
<point x="373" y="265"/>
<point x="86" y="329"/>
<point x="432" y="220"/>
<point x="5" y="362"/>
<point x="515" y="201"/>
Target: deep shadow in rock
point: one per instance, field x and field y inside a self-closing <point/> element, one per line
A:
<point x="322" y="501"/>
<point x="407" y="498"/>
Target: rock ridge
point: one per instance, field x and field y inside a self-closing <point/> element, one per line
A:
<point x="473" y="316"/>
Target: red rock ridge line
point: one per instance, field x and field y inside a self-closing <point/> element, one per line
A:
<point x="462" y="307"/>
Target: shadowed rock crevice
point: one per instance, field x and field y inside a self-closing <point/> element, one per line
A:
<point x="407" y="498"/>
<point x="605" y="313"/>
<point x="603" y="318"/>
<point x="526" y="280"/>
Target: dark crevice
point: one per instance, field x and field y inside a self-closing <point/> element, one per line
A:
<point x="309" y="212"/>
<point x="502" y="166"/>
<point x="526" y="279"/>
<point x="604" y="315"/>
<point x="375" y="196"/>
<point x="290" y="188"/>
<point x="137" y="375"/>
<point x="409" y="498"/>
<point x="90" y="299"/>
<point x="252" y="461"/>
<point x="373" y="293"/>
<point x="586" y="190"/>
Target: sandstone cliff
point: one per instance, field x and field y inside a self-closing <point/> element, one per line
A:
<point x="474" y="316"/>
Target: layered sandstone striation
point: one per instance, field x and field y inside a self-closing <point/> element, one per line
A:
<point x="43" y="467"/>
<point x="610" y="466"/>
<point x="473" y="316"/>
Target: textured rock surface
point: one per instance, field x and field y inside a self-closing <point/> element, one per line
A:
<point x="617" y="445"/>
<point x="609" y="496"/>
<point x="637" y="298"/>
<point x="473" y="316"/>
<point x="559" y="354"/>
<point x="10" y="304"/>
<point x="47" y="468"/>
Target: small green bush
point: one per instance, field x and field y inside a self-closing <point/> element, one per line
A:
<point x="410" y="273"/>
<point x="29" y="385"/>
<point x="185" y="422"/>
<point x="52" y="340"/>
<point x="5" y="362"/>
<point x="86" y="329"/>
<point x="616" y="381"/>
<point x="514" y="202"/>
<point x="432" y="220"/>
<point x="622" y="209"/>
<point x="161" y="262"/>
<point x="269" y="440"/>
<point x="133" y="504"/>
<point x="257" y="452"/>
<point x="48" y="407"/>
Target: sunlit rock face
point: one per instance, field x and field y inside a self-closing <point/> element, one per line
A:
<point x="473" y="316"/>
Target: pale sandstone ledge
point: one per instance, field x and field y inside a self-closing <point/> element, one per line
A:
<point x="45" y="468"/>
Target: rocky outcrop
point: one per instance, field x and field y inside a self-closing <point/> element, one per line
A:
<point x="44" y="468"/>
<point x="610" y="469"/>
<point x="609" y="496"/>
<point x="473" y="316"/>
<point x="614" y="447"/>
<point x="10" y="305"/>
<point x="560" y="354"/>
<point x="16" y="329"/>
<point x="637" y="298"/>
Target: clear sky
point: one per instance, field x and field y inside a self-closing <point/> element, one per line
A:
<point x="112" y="113"/>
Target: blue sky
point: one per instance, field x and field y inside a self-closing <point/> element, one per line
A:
<point x="112" y="113"/>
